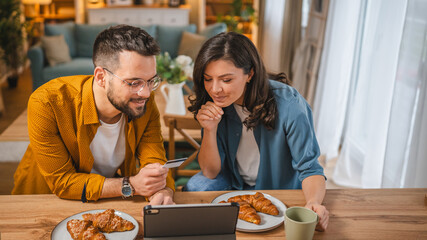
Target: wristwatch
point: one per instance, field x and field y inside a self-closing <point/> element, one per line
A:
<point x="127" y="189"/>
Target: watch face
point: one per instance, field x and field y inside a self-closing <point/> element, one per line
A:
<point x="127" y="191"/>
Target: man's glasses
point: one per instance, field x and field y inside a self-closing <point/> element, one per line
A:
<point x="137" y="85"/>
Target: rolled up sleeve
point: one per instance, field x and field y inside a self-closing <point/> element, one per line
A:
<point x="302" y="140"/>
<point x="53" y="159"/>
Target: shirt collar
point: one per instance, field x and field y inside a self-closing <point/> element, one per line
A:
<point x="90" y="114"/>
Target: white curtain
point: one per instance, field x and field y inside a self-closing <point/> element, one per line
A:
<point x="379" y="86"/>
<point x="335" y="72"/>
<point x="272" y="27"/>
<point x="405" y="162"/>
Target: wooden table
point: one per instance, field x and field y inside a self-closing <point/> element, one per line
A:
<point x="354" y="213"/>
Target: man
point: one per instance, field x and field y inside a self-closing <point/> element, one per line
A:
<point x="85" y="131"/>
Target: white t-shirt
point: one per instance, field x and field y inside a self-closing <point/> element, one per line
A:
<point x="108" y="148"/>
<point x="247" y="156"/>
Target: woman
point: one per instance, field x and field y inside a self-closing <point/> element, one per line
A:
<point x="257" y="133"/>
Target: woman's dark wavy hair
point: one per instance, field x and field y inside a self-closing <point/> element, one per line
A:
<point x="240" y="50"/>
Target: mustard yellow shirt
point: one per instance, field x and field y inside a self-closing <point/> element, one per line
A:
<point x="62" y="122"/>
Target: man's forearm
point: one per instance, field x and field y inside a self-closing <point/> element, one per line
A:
<point x="112" y="188"/>
<point x="314" y="189"/>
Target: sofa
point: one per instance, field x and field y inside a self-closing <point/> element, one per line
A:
<point x="79" y="39"/>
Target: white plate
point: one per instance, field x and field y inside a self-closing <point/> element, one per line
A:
<point x="268" y="222"/>
<point x="61" y="232"/>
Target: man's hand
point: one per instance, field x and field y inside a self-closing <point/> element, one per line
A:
<point x="162" y="197"/>
<point x="323" y="214"/>
<point x="150" y="179"/>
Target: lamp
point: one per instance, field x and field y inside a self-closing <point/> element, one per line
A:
<point x="37" y="4"/>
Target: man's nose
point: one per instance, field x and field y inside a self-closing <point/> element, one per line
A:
<point x="144" y="92"/>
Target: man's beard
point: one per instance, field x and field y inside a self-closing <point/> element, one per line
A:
<point x="124" y="107"/>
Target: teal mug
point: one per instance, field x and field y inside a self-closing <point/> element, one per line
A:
<point x="300" y="223"/>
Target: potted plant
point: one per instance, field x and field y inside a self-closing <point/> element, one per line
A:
<point x="176" y="70"/>
<point x="12" y="38"/>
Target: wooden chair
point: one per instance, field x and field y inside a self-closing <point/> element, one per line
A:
<point x="181" y="124"/>
<point x="189" y="129"/>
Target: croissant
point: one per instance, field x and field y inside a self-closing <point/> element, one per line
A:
<point x="262" y="204"/>
<point x="108" y="222"/>
<point x="83" y="230"/>
<point x="247" y="213"/>
<point x="257" y="201"/>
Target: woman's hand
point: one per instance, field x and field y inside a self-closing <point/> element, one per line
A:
<point x="314" y="188"/>
<point x="209" y="116"/>
<point x="323" y="214"/>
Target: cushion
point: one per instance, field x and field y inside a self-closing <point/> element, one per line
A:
<point x="56" y="49"/>
<point x="151" y="29"/>
<point x="85" y="38"/>
<point x="66" y="29"/>
<point x="213" y="29"/>
<point x="169" y="37"/>
<point x="78" y="66"/>
<point x="190" y="44"/>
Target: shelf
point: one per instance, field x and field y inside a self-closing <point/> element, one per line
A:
<point x="58" y="10"/>
<point x="141" y="6"/>
<point x="59" y="17"/>
<point x="227" y="1"/>
<point x="224" y="9"/>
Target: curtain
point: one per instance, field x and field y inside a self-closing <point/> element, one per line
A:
<point x="291" y="34"/>
<point x="362" y="159"/>
<point x="271" y="38"/>
<point x="405" y="162"/>
<point x="335" y="74"/>
<point x="279" y="33"/>
<point x="372" y="93"/>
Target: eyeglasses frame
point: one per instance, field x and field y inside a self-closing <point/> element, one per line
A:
<point x="144" y="82"/>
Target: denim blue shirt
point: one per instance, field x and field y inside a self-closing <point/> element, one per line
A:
<point x="288" y="153"/>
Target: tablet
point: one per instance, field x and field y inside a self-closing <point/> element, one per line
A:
<point x="191" y="220"/>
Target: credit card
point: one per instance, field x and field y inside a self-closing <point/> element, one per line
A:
<point x="174" y="163"/>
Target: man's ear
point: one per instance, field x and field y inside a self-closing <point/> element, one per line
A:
<point x="99" y="76"/>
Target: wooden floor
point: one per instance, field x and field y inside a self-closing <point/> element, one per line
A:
<point x="17" y="130"/>
<point x="15" y="101"/>
<point x="7" y="169"/>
